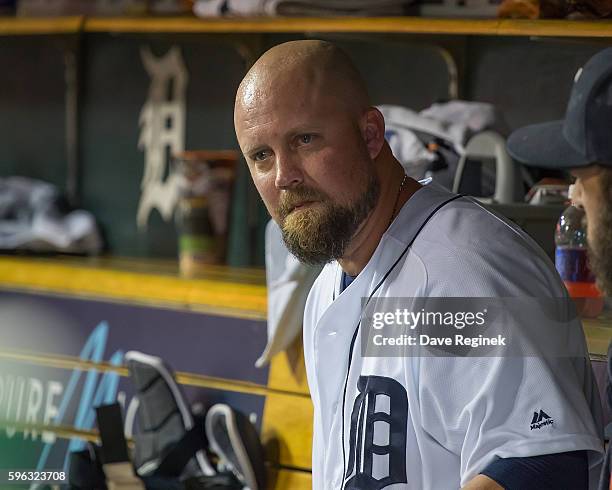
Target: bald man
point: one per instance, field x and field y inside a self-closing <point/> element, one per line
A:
<point x="316" y="151"/>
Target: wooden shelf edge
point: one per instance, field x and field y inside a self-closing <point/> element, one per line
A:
<point x="415" y="25"/>
<point x="212" y="296"/>
<point x="184" y="378"/>
<point x="556" y="28"/>
<point x="405" y="25"/>
<point x="381" y="25"/>
<point x="598" y="336"/>
<point x="14" y="26"/>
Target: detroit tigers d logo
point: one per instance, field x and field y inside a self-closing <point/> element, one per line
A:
<point x="377" y="453"/>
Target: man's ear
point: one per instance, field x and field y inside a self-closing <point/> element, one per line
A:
<point x="373" y="131"/>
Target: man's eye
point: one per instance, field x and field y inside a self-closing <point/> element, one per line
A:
<point x="260" y="155"/>
<point x="305" y="139"/>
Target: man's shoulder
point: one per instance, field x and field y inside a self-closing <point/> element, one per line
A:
<point x="468" y="243"/>
<point x="466" y="225"/>
<point x="466" y="221"/>
<point x="434" y="213"/>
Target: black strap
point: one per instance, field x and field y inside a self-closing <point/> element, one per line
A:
<point x="85" y="471"/>
<point x="175" y="460"/>
<point x="110" y="425"/>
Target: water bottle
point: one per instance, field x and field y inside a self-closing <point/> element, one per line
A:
<point x="572" y="263"/>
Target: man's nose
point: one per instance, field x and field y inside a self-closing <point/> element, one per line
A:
<point x="288" y="171"/>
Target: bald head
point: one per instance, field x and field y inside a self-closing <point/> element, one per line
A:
<point x="318" y="66"/>
<point x="316" y="150"/>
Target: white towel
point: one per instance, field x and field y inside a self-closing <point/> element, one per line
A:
<point x="475" y="116"/>
<point x="32" y="219"/>
<point x="289" y="282"/>
<point x="217" y="8"/>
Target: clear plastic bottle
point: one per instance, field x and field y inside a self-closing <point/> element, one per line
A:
<point x="571" y="260"/>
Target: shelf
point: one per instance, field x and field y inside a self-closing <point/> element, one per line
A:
<point x="406" y="25"/>
<point x="10" y="26"/>
<point x="598" y="333"/>
<point x="398" y="25"/>
<point x="293" y="25"/>
<point x="239" y="293"/>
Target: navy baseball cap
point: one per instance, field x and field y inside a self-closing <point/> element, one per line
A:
<point x="584" y="137"/>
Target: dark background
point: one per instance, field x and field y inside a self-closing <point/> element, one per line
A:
<point x="528" y="79"/>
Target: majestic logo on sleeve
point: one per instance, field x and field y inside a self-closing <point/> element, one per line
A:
<point x="377" y="454"/>
<point x="541" y="419"/>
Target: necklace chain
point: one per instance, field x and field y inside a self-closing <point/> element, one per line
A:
<point x="399" y="191"/>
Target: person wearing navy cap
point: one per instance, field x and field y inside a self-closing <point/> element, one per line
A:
<point x="582" y="144"/>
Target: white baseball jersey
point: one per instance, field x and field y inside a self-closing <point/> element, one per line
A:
<point x="436" y="422"/>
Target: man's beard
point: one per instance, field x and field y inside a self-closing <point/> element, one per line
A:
<point x="321" y="233"/>
<point x="600" y="246"/>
